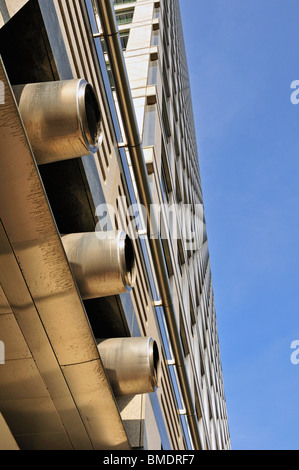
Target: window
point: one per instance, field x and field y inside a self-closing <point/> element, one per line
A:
<point x="165" y="121"/>
<point x="166" y="252"/>
<point x="176" y="144"/>
<point x="181" y="258"/>
<point x="166" y="185"/>
<point x="155" y="37"/>
<point x="192" y="312"/>
<point x="125" y="17"/>
<point x="121" y="2"/>
<point x="183" y="336"/>
<point x="178" y="194"/>
<point x="110" y="76"/>
<point x="201" y="364"/>
<point x="149" y="126"/>
<point x="153" y="73"/>
<point x="165" y="80"/>
<point x="197" y="404"/>
<point x="156" y="12"/>
<point x="124" y="37"/>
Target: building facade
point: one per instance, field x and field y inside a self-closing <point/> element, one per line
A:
<point x="113" y="346"/>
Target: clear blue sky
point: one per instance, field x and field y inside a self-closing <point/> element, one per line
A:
<point x="243" y="56"/>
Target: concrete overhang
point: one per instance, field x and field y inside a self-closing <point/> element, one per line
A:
<point x="54" y="392"/>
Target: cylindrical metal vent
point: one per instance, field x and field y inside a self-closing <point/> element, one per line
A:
<point x="132" y="364"/>
<point x="101" y="267"/>
<point x="62" y="119"/>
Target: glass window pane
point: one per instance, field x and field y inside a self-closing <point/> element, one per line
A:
<point x="121" y="2"/>
<point x="125" y="17"/>
<point x="149" y="126"/>
<point x="155" y="38"/>
<point x="124" y="37"/>
<point x="153" y="73"/>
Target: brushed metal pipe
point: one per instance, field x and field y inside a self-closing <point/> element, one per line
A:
<point x="132" y="364"/>
<point x="101" y="267"/>
<point x="62" y="119"/>
<point x="111" y="34"/>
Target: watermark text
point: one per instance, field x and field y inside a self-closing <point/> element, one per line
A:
<point x="295" y="94"/>
<point x="178" y="221"/>
<point x="295" y="354"/>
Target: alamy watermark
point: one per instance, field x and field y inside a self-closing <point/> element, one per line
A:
<point x="178" y="221"/>
<point x="2" y="353"/>
<point x="295" y="94"/>
<point x="295" y="354"/>
<point x="294" y="357"/>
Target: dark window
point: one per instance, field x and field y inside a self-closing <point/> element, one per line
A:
<point x="121" y="2"/>
<point x="125" y="17"/>
<point x="124" y="37"/>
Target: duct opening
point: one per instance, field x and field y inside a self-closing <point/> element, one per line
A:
<point x="129" y="260"/>
<point x="93" y="117"/>
<point x="62" y="119"/>
<point x="155" y="363"/>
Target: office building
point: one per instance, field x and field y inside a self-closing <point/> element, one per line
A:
<point x="107" y="316"/>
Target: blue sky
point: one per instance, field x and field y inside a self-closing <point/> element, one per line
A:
<point x="242" y="58"/>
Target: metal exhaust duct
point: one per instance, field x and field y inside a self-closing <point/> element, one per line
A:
<point x="132" y="364"/>
<point x="101" y="267"/>
<point x="62" y="119"/>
